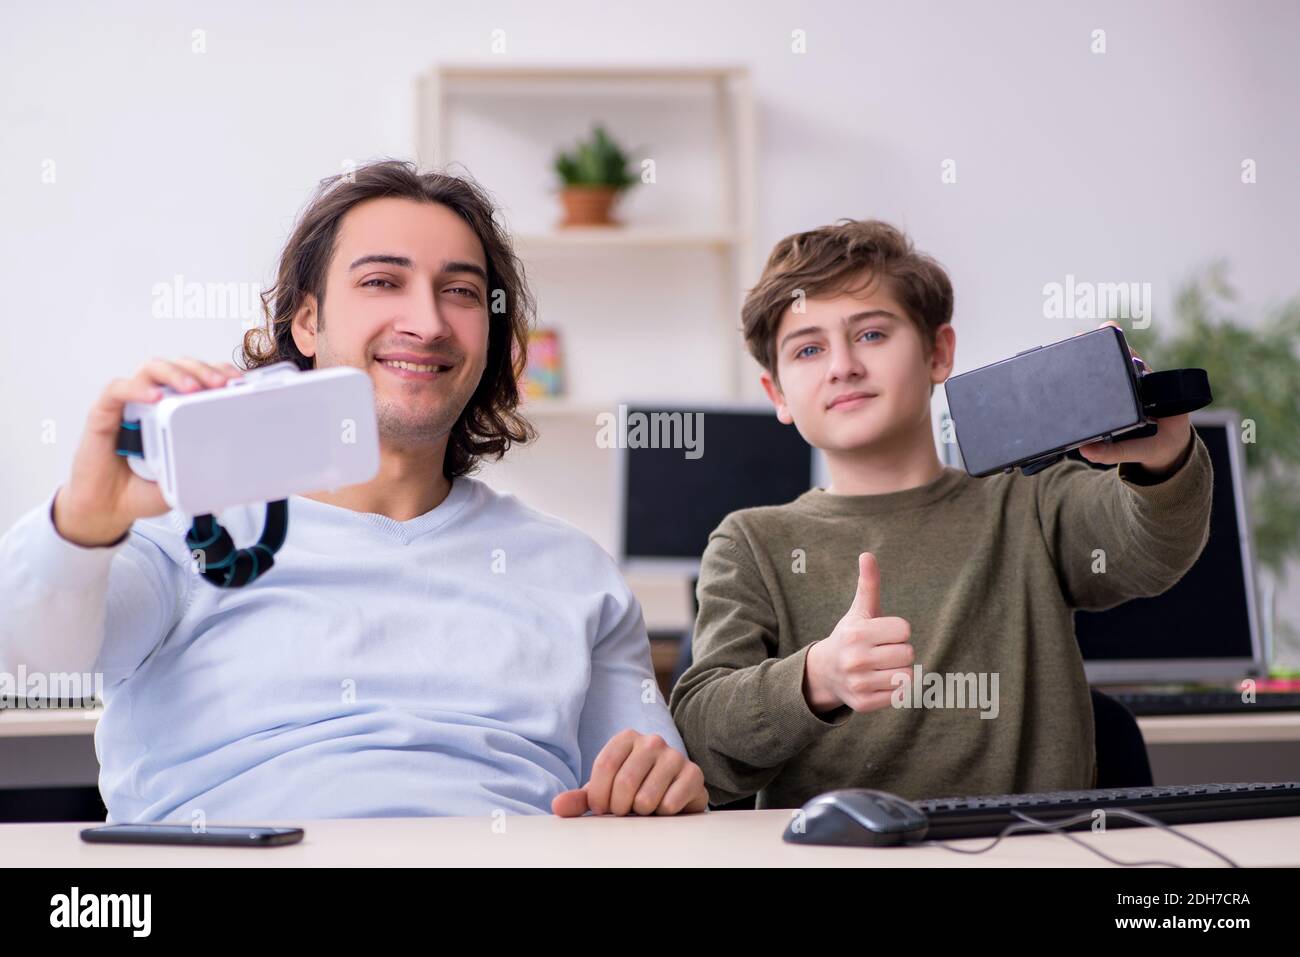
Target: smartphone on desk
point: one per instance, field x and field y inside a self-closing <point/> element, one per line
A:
<point x="225" y="836"/>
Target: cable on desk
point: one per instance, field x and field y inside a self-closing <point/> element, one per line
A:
<point x="1032" y="824"/>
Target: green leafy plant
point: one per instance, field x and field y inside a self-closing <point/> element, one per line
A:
<point x="597" y="161"/>
<point x="1254" y="370"/>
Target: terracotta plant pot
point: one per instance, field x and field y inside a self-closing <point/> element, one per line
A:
<point x="588" y="205"/>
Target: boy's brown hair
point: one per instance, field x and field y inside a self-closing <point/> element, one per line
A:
<point x="849" y="256"/>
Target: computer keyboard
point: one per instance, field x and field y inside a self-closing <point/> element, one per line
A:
<point x="988" y="815"/>
<point x="1205" y="702"/>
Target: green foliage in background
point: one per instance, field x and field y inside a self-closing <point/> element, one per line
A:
<point x="598" y="161"/>
<point x="1255" y="371"/>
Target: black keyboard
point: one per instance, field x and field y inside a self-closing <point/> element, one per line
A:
<point x="1205" y="702"/>
<point x="988" y="815"/>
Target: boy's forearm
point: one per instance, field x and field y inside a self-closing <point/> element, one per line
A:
<point x="1171" y="511"/>
<point x="1129" y="533"/>
<point x="742" y="725"/>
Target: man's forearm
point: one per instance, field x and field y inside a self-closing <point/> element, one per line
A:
<point x="84" y="529"/>
<point x="55" y="598"/>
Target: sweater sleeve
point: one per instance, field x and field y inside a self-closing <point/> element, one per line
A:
<point x="623" y="692"/>
<point x="741" y="709"/>
<point x="1113" y="535"/>
<point x="73" y="609"/>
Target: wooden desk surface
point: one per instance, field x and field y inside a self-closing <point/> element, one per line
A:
<point x="1162" y="729"/>
<point x="48" y="722"/>
<point x="1220" y="728"/>
<point x="715" y="839"/>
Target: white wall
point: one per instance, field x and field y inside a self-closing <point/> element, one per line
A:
<point x="1122" y="166"/>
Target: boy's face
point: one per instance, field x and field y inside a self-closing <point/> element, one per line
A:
<point x="407" y="281"/>
<point x="852" y="371"/>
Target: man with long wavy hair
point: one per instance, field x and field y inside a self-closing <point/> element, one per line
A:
<point x="423" y="645"/>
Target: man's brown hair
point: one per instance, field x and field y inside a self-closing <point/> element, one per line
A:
<point x="490" y="422"/>
<point x="849" y="256"/>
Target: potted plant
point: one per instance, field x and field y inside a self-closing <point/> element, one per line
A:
<point x="1253" y="369"/>
<point x="594" y="173"/>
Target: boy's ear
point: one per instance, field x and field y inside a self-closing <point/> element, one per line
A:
<point x="777" y="398"/>
<point x="943" y="354"/>
<point x="303" y="327"/>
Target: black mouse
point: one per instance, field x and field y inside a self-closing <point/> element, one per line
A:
<point x="857" y="817"/>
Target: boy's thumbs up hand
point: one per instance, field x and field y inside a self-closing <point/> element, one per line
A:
<point x="866" y="600"/>
<point x="856" y="664"/>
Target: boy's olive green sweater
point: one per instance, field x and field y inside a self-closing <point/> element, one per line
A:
<point x="987" y="571"/>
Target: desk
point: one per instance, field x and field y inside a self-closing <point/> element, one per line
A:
<point x="1195" y="748"/>
<point x="1220" y="728"/>
<point x="47" y="748"/>
<point x="715" y="839"/>
<point x="1156" y="729"/>
<point x="48" y="722"/>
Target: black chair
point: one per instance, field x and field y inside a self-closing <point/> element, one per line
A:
<point x="52" y="804"/>
<point x="1121" y="751"/>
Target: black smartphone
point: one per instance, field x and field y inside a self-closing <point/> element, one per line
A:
<point x="225" y="836"/>
<point x="1045" y="401"/>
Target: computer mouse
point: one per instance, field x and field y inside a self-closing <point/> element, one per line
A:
<point x="857" y="817"/>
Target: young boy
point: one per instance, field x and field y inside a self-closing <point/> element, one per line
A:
<point x="910" y="628"/>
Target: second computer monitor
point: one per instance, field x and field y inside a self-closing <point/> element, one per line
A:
<point x="672" y="496"/>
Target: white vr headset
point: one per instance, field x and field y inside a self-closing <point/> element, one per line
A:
<point x="272" y="433"/>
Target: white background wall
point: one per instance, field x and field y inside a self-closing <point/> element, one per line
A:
<point x="1114" y="167"/>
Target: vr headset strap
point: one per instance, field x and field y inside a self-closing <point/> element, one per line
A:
<point x="228" y="567"/>
<point x="1174" y="392"/>
<point x="224" y="565"/>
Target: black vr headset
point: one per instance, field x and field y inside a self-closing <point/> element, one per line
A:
<point x="1026" y="412"/>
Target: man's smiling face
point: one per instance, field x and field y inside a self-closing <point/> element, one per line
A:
<point x="405" y="301"/>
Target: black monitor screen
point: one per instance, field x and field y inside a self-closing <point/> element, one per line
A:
<point x="671" y="502"/>
<point x="1205" y="614"/>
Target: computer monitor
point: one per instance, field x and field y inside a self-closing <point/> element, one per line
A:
<point x="671" y="499"/>
<point x="1204" y="628"/>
